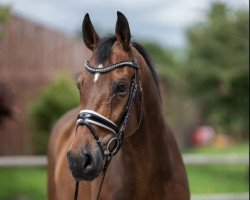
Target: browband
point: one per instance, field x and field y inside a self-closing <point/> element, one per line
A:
<point x="109" y="68"/>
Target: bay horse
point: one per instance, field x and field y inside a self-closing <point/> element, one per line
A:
<point x="120" y="117"/>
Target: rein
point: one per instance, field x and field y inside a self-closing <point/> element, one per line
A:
<point x="89" y="118"/>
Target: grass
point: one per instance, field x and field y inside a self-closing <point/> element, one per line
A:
<point x="23" y="184"/>
<point x="240" y="149"/>
<point x="209" y="179"/>
<point x="31" y="183"/>
<point x="218" y="179"/>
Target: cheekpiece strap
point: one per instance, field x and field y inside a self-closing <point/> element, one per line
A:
<point x="109" y="68"/>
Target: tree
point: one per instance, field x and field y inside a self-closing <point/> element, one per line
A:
<point x="59" y="97"/>
<point x="217" y="68"/>
<point x="4" y="17"/>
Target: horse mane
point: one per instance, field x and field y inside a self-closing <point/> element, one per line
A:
<point x="103" y="52"/>
<point x="149" y="62"/>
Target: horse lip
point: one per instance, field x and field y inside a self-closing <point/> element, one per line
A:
<point x="78" y="177"/>
<point x="89" y="173"/>
<point x="81" y="175"/>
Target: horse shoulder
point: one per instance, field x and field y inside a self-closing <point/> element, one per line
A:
<point x="60" y="135"/>
<point x="62" y="131"/>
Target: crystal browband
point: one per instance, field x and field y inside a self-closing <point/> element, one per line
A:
<point x="109" y="68"/>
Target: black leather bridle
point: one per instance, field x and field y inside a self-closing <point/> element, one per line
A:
<point x="89" y="118"/>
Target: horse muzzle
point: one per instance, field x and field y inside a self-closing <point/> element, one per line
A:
<point x="85" y="165"/>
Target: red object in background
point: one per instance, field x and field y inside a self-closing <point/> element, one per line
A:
<point x="203" y="135"/>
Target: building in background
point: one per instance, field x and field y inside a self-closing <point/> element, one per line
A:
<point x="31" y="56"/>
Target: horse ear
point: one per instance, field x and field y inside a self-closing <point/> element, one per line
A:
<point x="90" y="36"/>
<point x="122" y="31"/>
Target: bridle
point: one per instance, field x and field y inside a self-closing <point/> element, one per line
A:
<point x="89" y="118"/>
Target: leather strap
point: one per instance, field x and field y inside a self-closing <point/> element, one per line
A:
<point x="76" y="190"/>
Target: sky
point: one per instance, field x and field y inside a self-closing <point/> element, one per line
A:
<point x="161" y="21"/>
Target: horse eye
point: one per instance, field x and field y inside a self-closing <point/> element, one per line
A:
<point x="121" y="87"/>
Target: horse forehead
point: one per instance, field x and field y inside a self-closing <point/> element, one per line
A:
<point x="96" y="92"/>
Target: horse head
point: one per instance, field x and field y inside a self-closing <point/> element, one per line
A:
<point x="109" y="100"/>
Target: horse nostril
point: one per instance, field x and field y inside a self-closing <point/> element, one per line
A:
<point x="87" y="161"/>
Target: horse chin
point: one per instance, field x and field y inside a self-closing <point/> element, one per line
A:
<point x="90" y="176"/>
<point x="87" y="178"/>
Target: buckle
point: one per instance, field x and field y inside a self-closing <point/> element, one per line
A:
<point x="110" y="151"/>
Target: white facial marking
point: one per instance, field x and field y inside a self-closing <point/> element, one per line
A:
<point x="97" y="74"/>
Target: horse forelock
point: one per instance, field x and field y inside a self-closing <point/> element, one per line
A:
<point x="104" y="49"/>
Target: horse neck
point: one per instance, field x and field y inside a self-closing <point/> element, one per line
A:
<point x="149" y="159"/>
<point x="144" y="156"/>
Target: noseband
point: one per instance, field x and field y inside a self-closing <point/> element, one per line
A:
<point x="89" y="118"/>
